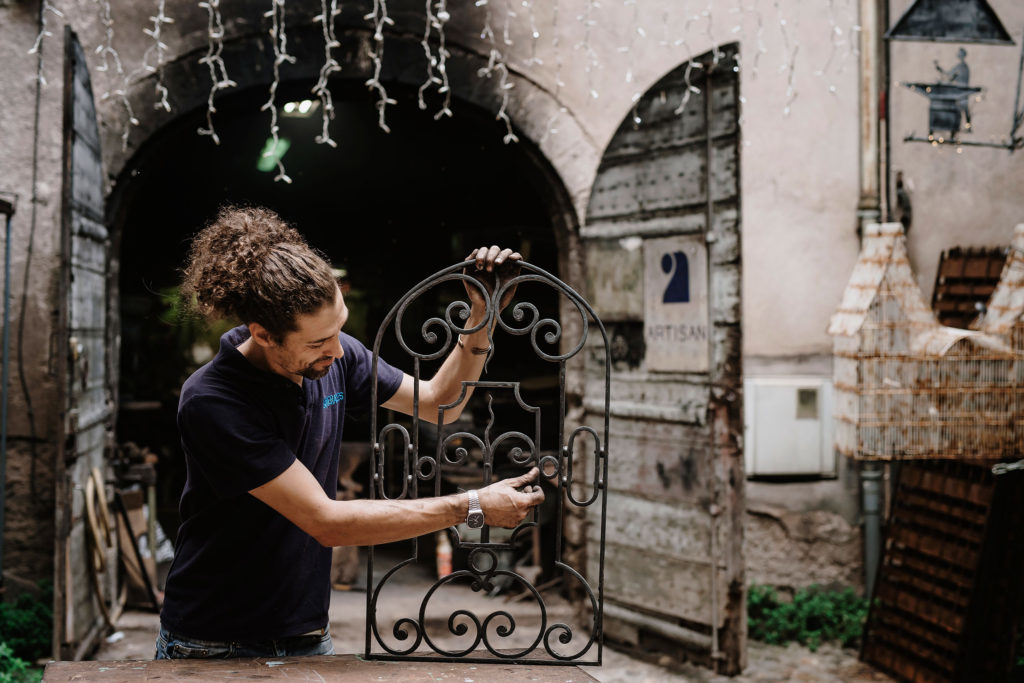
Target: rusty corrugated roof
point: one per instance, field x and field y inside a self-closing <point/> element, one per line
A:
<point x="1006" y="306"/>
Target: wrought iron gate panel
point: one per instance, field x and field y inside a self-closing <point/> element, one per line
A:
<point x="522" y="451"/>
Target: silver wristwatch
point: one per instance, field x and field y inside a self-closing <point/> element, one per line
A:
<point x="475" y="517"/>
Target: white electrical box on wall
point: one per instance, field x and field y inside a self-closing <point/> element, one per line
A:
<point x="788" y="428"/>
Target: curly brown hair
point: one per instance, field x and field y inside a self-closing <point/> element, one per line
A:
<point x="251" y="266"/>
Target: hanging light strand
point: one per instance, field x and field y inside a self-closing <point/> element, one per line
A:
<point x="429" y="24"/>
<point x="322" y="89"/>
<point x="550" y="128"/>
<point x="852" y="43"/>
<point x="496" y="65"/>
<point x="505" y="35"/>
<point x="442" y="17"/>
<point x="709" y="18"/>
<point x="108" y="53"/>
<point x="379" y="17"/>
<point x="592" y="62"/>
<point x="531" y="16"/>
<point x="761" y="49"/>
<point x="690" y="89"/>
<point x="629" y="48"/>
<point x="215" y="63"/>
<point x="556" y="44"/>
<point x="835" y="36"/>
<point x="279" y="40"/>
<point x="158" y="48"/>
<point x="789" y="66"/>
<point x="43" y="31"/>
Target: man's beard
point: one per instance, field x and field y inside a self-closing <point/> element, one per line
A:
<point x="312" y="372"/>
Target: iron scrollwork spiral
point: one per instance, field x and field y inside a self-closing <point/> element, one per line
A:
<point x="489" y="634"/>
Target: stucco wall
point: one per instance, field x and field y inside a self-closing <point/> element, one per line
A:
<point x="799" y="170"/>
<point x="28" y="533"/>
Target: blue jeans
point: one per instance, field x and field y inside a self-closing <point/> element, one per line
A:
<point x="173" y="646"/>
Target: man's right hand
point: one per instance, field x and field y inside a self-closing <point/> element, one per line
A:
<point x="507" y="502"/>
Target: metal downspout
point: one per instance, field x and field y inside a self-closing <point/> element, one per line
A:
<point x="871" y="488"/>
<point x="869" y="205"/>
<point x="7" y="209"/>
<point x="869" y="210"/>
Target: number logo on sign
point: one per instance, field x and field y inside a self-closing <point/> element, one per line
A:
<point x="678" y="289"/>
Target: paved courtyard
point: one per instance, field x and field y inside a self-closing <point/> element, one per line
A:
<point x="766" y="663"/>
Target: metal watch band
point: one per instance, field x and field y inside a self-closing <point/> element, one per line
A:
<point x="475" y="515"/>
<point x="474" y="502"/>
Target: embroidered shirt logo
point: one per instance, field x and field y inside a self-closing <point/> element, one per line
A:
<point x="334" y="398"/>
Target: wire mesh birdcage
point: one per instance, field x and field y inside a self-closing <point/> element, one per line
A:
<point x="907" y="387"/>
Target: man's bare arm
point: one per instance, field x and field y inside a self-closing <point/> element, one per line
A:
<point x="296" y="494"/>
<point x="466" y="361"/>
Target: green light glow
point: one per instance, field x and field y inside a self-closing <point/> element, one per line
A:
<point x="271" y="154"/>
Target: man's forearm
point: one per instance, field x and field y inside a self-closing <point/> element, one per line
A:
<point x="365" y="522"/>
<point x="463" y="364"/>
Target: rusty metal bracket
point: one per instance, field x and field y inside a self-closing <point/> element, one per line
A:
<point x="573" y="473"/>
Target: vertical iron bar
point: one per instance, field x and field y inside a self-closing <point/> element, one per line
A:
<point x="562" y="464"/>
<point x="371" y="617"/>
<point x="414" y="475"/>
<point x="599" y="617"/>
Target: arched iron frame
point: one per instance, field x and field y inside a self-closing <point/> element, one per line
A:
<point x="441" y="335"/>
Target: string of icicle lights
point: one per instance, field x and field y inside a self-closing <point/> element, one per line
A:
<point x="547" y="26"/>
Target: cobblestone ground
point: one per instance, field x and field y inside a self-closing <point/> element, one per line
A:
<point x="766" y="663"/>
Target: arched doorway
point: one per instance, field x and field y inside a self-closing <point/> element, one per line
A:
<point x="387" y="209"/>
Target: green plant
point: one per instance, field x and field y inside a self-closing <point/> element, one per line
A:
<point x="14" y="669"/>
<point x="814" y="616"/>
<point x="26" y="624"/>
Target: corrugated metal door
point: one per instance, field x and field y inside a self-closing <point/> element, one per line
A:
<point x="662" y="241"/>
<point x="84" y="360"/>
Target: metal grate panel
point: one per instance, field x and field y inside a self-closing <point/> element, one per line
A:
<point x="574" y="471"/>
<point x="946" y="601"/>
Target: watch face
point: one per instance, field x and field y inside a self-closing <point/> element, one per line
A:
<point x="475" y="520"/>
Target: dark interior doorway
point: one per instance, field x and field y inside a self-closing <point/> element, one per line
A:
<point x="388" y="209"/>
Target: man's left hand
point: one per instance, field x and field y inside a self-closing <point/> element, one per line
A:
<point x="492" y="262"/>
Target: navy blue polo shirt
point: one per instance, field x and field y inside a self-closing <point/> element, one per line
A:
<point x="241" y="571"/>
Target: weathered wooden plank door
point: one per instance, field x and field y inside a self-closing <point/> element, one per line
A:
<point x="84" y="361"/>
<point x="662" y="241"/>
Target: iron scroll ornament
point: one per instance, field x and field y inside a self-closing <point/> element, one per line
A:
<point x="495" y="636"/>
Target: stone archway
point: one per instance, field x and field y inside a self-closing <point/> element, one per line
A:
<point x="564" y="161"/>
<point x="569" y="156"/>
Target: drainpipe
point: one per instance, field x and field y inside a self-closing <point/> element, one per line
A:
<point x="871" y="490"/>
<point x="7" y="210"/>
<point x="869" y="209"/>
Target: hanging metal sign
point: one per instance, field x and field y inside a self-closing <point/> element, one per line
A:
<point x="953" y="21"/>
<point x="949" y="107"/>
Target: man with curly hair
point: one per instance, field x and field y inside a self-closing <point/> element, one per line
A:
<point x="261" y="428"/>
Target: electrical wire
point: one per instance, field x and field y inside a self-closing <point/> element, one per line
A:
<point x="33" y="222"/>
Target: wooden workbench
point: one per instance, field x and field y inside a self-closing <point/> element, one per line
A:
<point x="322" y="668"/>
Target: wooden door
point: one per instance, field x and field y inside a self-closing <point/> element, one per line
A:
<point x="85" y="364"/>
<point x="662" y="241"/>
